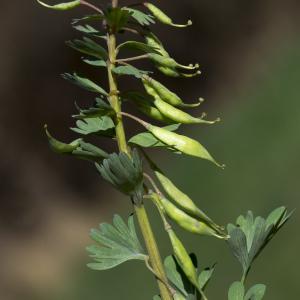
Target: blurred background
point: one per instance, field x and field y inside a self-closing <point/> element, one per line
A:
<point x="250" y="57"/>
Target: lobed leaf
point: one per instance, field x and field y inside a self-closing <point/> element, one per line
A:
<point x="84" y="83"/>
<point x="142" y="18"/>
<point x="116" y="244"/>
<point x="100" y="126"/>
<point x="89" y="47"/>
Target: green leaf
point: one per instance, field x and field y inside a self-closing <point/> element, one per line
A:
<point x="156" y="297"/>
<point x="147" y="139"/>
<point x="61" y="6"/>
<point x="117" y="18"/>
<point x="129" y="70"/>
<point x="124" y="173"/>
<point x="142" y="18"/>
<point x="84" y="83"/>
<point x="238" y="245"/>
<point x="251" y="235"/>
<point x="205" y="277"/>
<point x="89" y="47"/>
<point x="86" y="29"/>
<point x="99" y="126"/>
<point x="133" y="45"/>
<point x="100" y="109"/>
<point x="236" y="291"/>
<point x="256" y="292"/>
<point x="95" y="63"/>
<point x="94" y="17"/>
<point x="117" y="244"/>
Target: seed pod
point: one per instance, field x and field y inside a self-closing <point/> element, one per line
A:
<point x="170" y="62"/>
<point x="174" y="73"/>
<point x="144" y="105"/>
<point x="183" y="258"/>
<point x="61" y="6"/>
<point x="183" y="200"/>
<point x="153" y="41"/>
<point x="167" y="95"/>
<point x="162" y="17"/>
<point x="60" y="147"/>
<point x="187" y="222"/>
<point x="172" y="112"/>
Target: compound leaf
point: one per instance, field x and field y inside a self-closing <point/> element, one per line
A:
<point x="116" y="244"/>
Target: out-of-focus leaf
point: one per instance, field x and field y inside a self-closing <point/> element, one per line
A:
<point x="100" y="109"/>
<point x="129" y="70"/>
<point x="100" y="126"/>
<point x="89" y="47"/>
<point x="95" y="17"/>
<point x="205" y="276"/>
<point x="117" y="18"/>
<point x="84" y="83"/>
<point x="124" y="173"/>
<point x="142" y="18"/>
<point x="95" y="63"/>
<point x="236" y="291"/>
<point x="156" y="297"/>
<point x="86" y="29"/>
<point x="61" y="6"/>
<point x="117" y="244"/>
<point x="133" y="45"/>
<point x="256" y="292"/>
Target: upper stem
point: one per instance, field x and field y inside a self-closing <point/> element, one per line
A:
<point x="141" y="214"/>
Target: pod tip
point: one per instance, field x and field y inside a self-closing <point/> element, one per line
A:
<point x="189" y="23"/>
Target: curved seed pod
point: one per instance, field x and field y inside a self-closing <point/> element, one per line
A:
<point x="145" y="106"/>
<point x="61" y="6"/>
<point x="167" y="95"/>
<point x="172" y="112"/>
<point x="60" y="147"/>
<point x="153" y="41"/>
<point x="183" y="200"/>
<point x="182" y="143"/>
<point x="183" y="258"/>
<point x="162" y="17"/>
<point x="170" y="62"/>
<point x="174" y="73"/>
<point x="187" y="222"/>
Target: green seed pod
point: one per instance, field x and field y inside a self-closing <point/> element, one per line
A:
<point x="144" y="104"/>
<point x="184" y="201"/>
<point x="153" y="41"/>
<point x="166" y="95"/>
<point x="174" y="73"/>
<point x="183" y="258"/>
<point x="61" y="6"/>
<point x="187" y="222"/>
<point x="60" y="147"/>
<point x="178" y="296"/>
<point x="162" y="17"/>
<point x="172" y="112"/>
<point x="169" y="62"/>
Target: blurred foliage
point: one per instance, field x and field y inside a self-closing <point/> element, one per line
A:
<point x="259" y="141"/>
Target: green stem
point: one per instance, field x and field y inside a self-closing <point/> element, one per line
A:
<point x="140" y="211"/>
